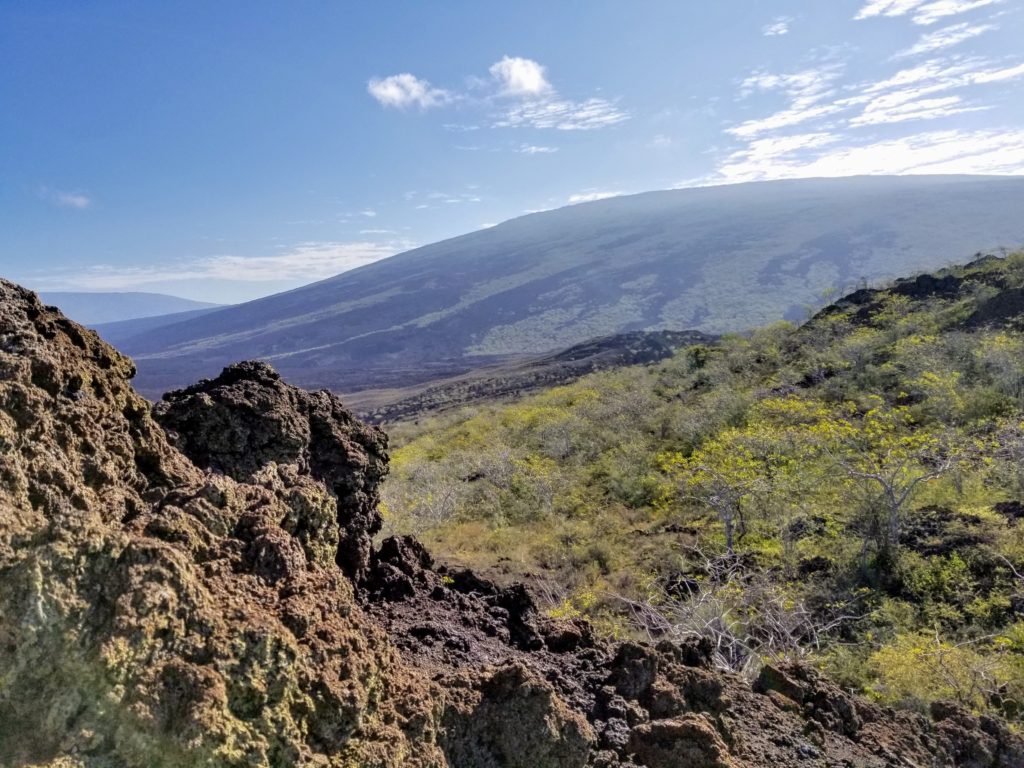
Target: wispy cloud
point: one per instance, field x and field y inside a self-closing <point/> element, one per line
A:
<point x="778" y="27"/>
<point x="927" y="79"/>
<point x="531" y="149"/>
<point x="562" y="114"/>
<point x="880" y="113"/>
<point x="815" y="155"/>
<point x="538" y="104"/>
<point x="63" y="199"/>
<point x="828" y="125"/>
<point x="443" y="198"/>
<point x="805" y="91"/>
<point x="589" y="196"/>
<point x="304" y="262"/>
<point x="924" y="12"/>
<point x="908" y="94"/>
<point x="929" y="13"/>
<point x="405" y="90"/>
<point x="946" y="37"/>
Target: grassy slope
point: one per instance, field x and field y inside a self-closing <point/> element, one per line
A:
<point x="609" y="494"/>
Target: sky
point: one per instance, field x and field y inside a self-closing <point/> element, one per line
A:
<point x="224" y="151"/>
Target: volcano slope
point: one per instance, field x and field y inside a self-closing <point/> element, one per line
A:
<point x="206" y="593"/>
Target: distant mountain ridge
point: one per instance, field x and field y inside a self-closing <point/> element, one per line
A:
<point x="712" y="259"/>
<point x="121" y="331"/>
<point x="526" y="373"/>
<point x="110" y="307"/>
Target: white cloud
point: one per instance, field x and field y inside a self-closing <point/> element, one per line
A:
<point x="517" y="76"/>
<point x="63" y="199"/>
<point x="304" y="262"/>
<point x="804" y="90"/>
<point x="562" y="114"/>
<point x="779" y="26"/>
<point x="452" y="199"/>
<point x="887" y="8"/>
<point x="929" y="13"/>
<point x="830" y="128"/>
<point x="930" y="78"/>
<point x="590" y="196"/>
<point x="368" y="213"/>
<point x="923" y="109"/>
<point x="783" y="119"/>
<point x="908" y="94"/>
<point x="530" y="149"/>
<point x="924" y="12"/>
<point x="405" y="90"/>
<point x="529" y="99"/>
<point x="764" y="156"/>
<point x="982" y="152"/>
<point x="541" y="106"/>
<point x="946" y="37"/>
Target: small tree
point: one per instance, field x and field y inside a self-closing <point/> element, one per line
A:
<point x="757" y="470"/>
<point x="746" y="614"/>
<point x="886" y="451"/>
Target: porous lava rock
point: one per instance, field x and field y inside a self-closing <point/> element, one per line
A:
<point x="153" y="613"/>
<point x="204" y="593"/>
<point x="247" y="419"/>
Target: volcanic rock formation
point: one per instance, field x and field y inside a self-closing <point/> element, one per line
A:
<point x="208" y="596"/>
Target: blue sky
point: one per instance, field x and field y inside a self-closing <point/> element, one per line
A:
<point x="223" y="151"/>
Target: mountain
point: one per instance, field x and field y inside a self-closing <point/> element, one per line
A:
<point x="712" y="259"/>
<point x="96" y="308"/>
<point x="197" y="584"/>
<point x="122" y="331"/>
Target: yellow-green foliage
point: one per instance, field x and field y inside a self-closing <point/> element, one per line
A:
<point x="919" y="669"/>
<point x="856" y="460"/>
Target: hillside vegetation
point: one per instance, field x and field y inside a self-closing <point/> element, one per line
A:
<point x="523" y="374"/>
<point x="850" y="491"/>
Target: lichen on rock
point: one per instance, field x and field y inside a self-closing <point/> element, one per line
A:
<point x="156" y="613"/>
<point x="247" y="420"/>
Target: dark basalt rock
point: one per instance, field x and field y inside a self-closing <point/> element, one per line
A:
<point x="924" y="286"/>
<point x="248" y="418"/>
<point x="1003" y="308"/>
<point x="1011" y="510"/>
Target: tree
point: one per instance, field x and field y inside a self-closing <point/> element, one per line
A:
<point x="749" y="469"/>
<point x="746" y="614"/>
<point x="886" y="450"/>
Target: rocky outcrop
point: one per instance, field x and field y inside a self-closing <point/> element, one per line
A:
<point x="153" y="613"/>
<point x="198" y="588"/>
<point x="248" y="419"/>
